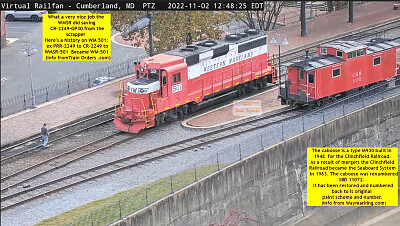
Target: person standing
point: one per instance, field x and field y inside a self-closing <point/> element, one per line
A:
<point x="45" y="135"/>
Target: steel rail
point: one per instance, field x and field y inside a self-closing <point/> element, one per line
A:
<point x="188" y="144"/>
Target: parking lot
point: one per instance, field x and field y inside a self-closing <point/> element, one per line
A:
<point x="18" y="29"/>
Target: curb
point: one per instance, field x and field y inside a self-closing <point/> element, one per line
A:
<point x="184" y="123"/>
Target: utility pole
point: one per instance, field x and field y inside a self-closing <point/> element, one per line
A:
<point x="144" y="22"/>
<point x="303" y="19"/>
<point x="351" y="12"/>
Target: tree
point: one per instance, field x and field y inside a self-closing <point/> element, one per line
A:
<point x="265" y="19"/>
<point x="171" y="29"/>
<point x="330" y="5"/>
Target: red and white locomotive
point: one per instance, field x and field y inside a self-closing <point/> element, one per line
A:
<point x="340" y="68"/>
<point x="172" y="84"/>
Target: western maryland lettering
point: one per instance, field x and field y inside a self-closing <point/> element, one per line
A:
<point x="222" y="61"/>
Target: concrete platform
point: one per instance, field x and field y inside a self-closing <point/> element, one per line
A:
<point x="60" y="111"/>
<point x="224" y="115"/>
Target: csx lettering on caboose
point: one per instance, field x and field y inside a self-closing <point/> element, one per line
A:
<point x="340" y="68"/>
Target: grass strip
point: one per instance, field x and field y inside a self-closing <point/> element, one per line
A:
<point x="110" y="209"/>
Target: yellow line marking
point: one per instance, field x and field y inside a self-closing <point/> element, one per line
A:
<point x="207" y="94"/>
<point x="177" y="104"/>
<point x="166" y="108"/>
<point x="246" y="80"/>
<point x="217" y="90"/>
<point x="187" y="101"/>
<point x="237" y="83"/>
<point x="227" y="87"/>
<point x="197" y="98"/>
<point x="257" y="76"/>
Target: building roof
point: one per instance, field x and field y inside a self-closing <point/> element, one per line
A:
<point x="345" y="46"/>
<point x="314" y="62"/>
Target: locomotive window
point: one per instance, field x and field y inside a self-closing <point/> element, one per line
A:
<point x="324" y="51"/>
<point x="311" y="78"/>
<point x="176" y="78"/>
<point x="137" y="74"/>
<point x="164" y="80"/>
<point x="336" y="72"/>
<point x="377" y="61"/>
<point x="339" y="53"/>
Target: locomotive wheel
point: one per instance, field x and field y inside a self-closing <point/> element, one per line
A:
<point x="249" y="88"/>
<point x="157" y="121"/>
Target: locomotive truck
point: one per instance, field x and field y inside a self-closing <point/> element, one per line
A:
<point x="339" y="69"/>
<point x="170" y="85"/>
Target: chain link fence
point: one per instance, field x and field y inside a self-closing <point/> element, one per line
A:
<point x="224" y="156"/>
<point x="44" y="94"/>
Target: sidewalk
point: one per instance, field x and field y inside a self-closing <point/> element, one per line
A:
<point x="329" y="25"/>
<point x="59" y="111"/>
<point x="318" y="29"/>
<point x="69" y="108"/>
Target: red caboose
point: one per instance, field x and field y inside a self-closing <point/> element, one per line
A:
<point x="340" y="68"/>
<point x="169" y="85"/>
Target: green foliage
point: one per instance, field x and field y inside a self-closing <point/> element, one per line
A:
<point x="110" y="209"/>
<point x="171" y="29"/>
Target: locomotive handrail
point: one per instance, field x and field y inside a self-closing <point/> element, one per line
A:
<point x="121" y="86"/>
<point x="144" y="108"/>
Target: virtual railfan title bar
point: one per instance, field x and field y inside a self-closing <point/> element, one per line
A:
<point x="134" y="5"/>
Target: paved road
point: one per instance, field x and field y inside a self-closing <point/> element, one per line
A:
<point x="391" y="217"/>
<point x="15" y="77"/>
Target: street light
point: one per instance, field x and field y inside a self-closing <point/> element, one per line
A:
<point x="29" y="51"/>
<point x="280" y="40"/>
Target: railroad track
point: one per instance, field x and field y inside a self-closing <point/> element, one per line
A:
<point x="352" y="35"/>
<point x="56" y="135"/>
<point x="12" y="197"/>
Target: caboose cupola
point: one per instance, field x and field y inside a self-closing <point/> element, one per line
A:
<point x="343" y="49"/>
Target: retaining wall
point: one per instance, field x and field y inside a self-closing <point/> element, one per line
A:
<point x="269" y="187"/>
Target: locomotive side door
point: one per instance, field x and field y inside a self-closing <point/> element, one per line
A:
<point x="164" y="83"/>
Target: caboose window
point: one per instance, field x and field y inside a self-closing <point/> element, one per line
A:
<point x="336" y="72"/>
<point x="339" y="53"/>
<point x="311" y="78"/>
<point x="324" y="51"/>
<point x="377" y="61"/>
<point x="301" y="75"/>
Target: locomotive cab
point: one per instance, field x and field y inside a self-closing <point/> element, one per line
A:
<point x="170" y="85"/>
